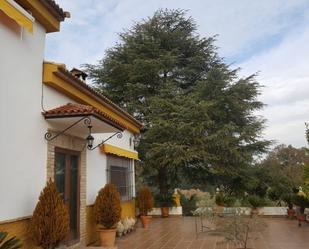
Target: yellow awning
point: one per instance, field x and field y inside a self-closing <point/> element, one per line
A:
<point x="110" y="149"/>
<point x="19" y="15"/>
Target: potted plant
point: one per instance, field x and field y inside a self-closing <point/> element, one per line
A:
<point x="255" y="202"/>
<point x="290" y="210"/>
<point x="165" y="201"/>
<point x="107" y="212"/>
<point x="229" y="201"/>
<point x="302" y="202"/>
<point x="50" y="220"/>
<point x="188" y="204"/>
<point x="220" y="199"/>
<point x="145" y="205"/>
<point x="9" y="243"/>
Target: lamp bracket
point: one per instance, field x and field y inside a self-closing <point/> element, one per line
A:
<point x="49" y="136"/>
<point x="118" y="134"/>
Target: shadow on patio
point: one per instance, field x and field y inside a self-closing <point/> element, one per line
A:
<point x="179" y="233"/>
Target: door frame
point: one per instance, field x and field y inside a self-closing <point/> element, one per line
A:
<point x="69" y="241"/>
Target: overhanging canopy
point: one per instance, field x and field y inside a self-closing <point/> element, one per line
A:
<point x="63" y="116"/>
<point x="17" y="13"/>
<point x="110" y="149"/>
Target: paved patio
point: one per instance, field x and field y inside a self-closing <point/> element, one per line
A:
<point x="179" y="233"/>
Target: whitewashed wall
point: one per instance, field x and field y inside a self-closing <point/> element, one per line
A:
<point x="96" y="174"/>
<point x="96" y="163"/>
<point x="22" y="146"/>
<point x="52" y="98"/>
<point x="23" y="149"/>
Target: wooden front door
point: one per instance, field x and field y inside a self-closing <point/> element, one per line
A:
<point x="67" y="179"/>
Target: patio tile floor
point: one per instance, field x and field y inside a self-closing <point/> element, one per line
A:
<point x="179" y="233"/>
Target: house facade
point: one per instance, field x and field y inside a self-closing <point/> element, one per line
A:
<point x="53" y="125"/>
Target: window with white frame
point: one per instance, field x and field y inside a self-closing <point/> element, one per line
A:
<point x="120" y="173"/>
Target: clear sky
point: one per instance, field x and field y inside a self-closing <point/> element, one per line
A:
<point x="266" y="36"/>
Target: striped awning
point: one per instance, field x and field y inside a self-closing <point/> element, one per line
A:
<point x="110" y="149"/>
<point x="17" y="13"/>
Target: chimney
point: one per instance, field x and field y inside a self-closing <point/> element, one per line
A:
<point x="79" y="74"/>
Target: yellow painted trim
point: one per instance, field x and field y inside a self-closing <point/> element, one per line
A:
<point x="16" y="15"/>
<point x="128" y="209"/>
<point x="110" y="149"/>
<point x="52" y="80"/>
<point x="41" y="14"/>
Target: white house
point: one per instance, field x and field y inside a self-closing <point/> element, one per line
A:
<point x="47" y="113"/>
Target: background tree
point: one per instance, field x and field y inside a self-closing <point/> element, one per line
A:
<point x="278" y="175"/>
<point x="286" y="164"/>
<point x="197" y="113"/>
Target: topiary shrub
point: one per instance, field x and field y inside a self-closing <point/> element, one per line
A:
<point x="164" y="200"/>
<point x="301" y="201"/>
<point x="145" y="200"/>
<point x="229" y="201"/>
<point x="107" y="207"/>
<point x="9" y="243"/>
<point x="288" y="199"/>
<point x="220" y="199"/>
<point x="50" y="220"/>
<point x="256" y="201"/>
<point x="189" y="204"/>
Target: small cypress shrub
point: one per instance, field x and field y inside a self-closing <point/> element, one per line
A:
<point x="107" y="208"/>
<point x="50" y="220"/>
<point x="145" y="200"/>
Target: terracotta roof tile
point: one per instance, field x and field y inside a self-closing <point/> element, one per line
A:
<point x="97" y="94"/>
<point x="72" y="109"/>
<point x="55" y="9"/>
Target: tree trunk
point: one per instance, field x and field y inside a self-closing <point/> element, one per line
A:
<point x="163" y="185"/>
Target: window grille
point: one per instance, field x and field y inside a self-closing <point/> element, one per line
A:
<point x="120" y="173"/>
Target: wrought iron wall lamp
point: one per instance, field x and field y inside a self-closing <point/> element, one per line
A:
<point x="90" y="139"/>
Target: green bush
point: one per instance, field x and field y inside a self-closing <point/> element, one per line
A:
<point x="164" y="200"/>
<point x="220" y="199"/>
<point x="256" y="201"/>
<point x="188" y="205"/>
<point x="288" y="199"/>
<point x="225" y="200"/>
<point x="229" y="201"/>
<point x="301" y="201"/>
<point x="205" y="201"/>
<point x="276" y="193"/>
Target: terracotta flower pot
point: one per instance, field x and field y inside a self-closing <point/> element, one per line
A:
<point x="254" y="212"/>
<point x="219" y="209"/>
<point x="146" y="219"/>
<point x="107" y="237"/>
<point x="164" y="212"/>
<point x="301" y="218"/>
<point x="291" y="213"/>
